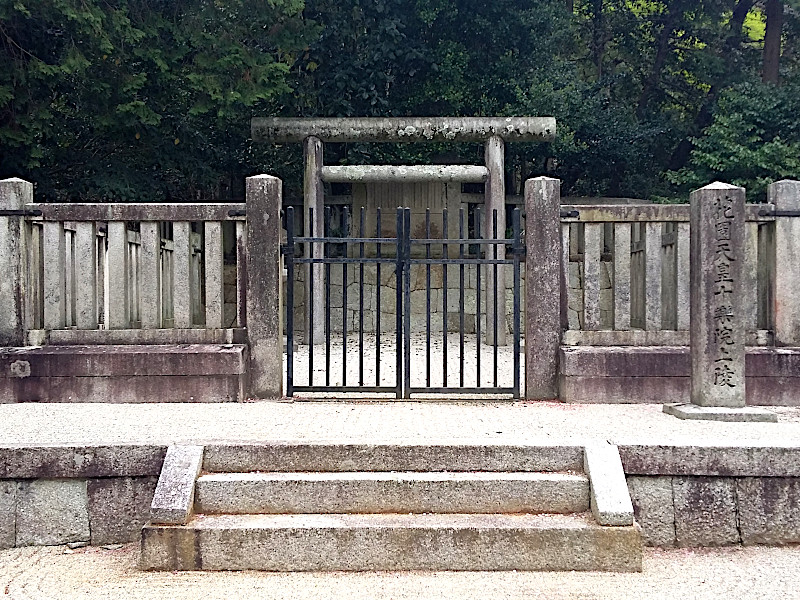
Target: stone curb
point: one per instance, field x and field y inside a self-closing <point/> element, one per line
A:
<point x="173" y="500"/>
<point x="610" y="499"/>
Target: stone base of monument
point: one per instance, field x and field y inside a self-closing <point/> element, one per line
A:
<point x="689" y="411"/>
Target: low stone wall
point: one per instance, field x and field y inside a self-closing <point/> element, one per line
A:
<point x="716" y="511"/>
<point x="124" y="373"/>
<point x="48" y="512"/>
<point x="85" y="495"/>
<point x="684" y="496"/>
<point x="695" y="496"/>
<point x="658" y="374"/>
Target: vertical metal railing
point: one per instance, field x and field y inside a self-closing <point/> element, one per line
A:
<point x="415" y="261"/>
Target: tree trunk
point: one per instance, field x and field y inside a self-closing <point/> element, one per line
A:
<point x="598" y="36"/>
<point x="650" y="84"/>
<point x="772" y="42"/>
<point x="680" y="156"/>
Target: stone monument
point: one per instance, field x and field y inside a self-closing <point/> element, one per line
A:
<point x="717" y="256"/>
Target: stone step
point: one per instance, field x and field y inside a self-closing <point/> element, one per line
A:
<point x="352" y="542"/>
<point x="381" y="492"/>
<point x="431" y="456"/>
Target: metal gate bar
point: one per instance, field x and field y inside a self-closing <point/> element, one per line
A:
<point x="490" y="261"/>
<point x="404" y="257"/>
<point x="291" y="259"/>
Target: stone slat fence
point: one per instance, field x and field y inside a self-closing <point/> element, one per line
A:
<point x="627" y="274"/>
<point x="144" y="273"/>
<point x="158" y="274"/>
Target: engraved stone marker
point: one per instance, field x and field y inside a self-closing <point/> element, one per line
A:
<point x="717" y="332"/>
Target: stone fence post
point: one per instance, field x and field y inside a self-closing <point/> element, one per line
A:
<point x="785" y="195"/>
<point x="14" y="195"/>
<point x="264" y="294"/>
<point x="544" y="288"/>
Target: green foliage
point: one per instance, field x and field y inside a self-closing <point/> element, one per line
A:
<point x="151" y="99"/>
<point x="753" y="141"/>
<point x="138" y="99"/>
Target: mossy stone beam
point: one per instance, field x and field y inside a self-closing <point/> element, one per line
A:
<point x="404" y="129"/>
<point x="405" y="174"/>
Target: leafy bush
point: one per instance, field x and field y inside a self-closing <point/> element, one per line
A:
<point x="753" y="140"/>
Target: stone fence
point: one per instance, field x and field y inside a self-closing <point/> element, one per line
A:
<point x="116" y="274"/>
<point x="100" y="275"/>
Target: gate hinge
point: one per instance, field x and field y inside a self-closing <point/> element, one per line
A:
<point x="287" y="249"/>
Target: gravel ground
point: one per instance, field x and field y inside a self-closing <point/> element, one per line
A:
<point x="56" y="573"/>
<point x="377" y="422"/>
<point x="361" y="368"/>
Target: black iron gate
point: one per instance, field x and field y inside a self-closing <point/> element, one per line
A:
<point x="388" y="261"/>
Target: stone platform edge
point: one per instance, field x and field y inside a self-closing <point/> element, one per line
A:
<point x="683" y="495"/>
<point x="124" y="373"/>
<point x="656" y="374"/>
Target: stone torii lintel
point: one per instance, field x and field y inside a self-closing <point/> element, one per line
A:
<point x="403" y="129"/>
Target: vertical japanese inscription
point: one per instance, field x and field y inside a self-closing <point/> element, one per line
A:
<point x="724" y="285"/>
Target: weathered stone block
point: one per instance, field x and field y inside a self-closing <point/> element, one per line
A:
<point x="605" y="277"/>
<point x="388" y="300"/>
<point x="606" y="300"/>
<point x="575" y="300"/>
<point x="610" y="500"/>
<point x="174" y="496"/>
<point x="8" y="513"/>
<point x="769" y="510"/>
<point x="454" y="302"/>
<point x="71" y="461"/>
<point x="51" y="512"/>
<point x="118" y="508"/>
<point x="705" y="511"/>
<point x="574" y="319"/>
<point x="575" y="275"/>
<point x="336" y="295"/>
<point x="713" y="461"/>
<point x="653" y="508"/>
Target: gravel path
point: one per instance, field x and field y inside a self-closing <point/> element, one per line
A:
<point x="95" y="573"/>
<point x="377" y="422"/>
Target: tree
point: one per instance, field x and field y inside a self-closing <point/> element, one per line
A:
<point x="142" y="99"/>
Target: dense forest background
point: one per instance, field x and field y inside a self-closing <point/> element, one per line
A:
<point x="151" y="99"/>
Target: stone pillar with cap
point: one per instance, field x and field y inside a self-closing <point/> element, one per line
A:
<point x="545" y="295"/>
<point x="14" y="195"/>
<point x="264" y="276"/>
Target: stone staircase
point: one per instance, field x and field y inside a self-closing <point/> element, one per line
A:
<point x="325" y="507"/>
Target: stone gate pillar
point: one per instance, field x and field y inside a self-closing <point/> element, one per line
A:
<point x="495" y="200"/>
<point x="264" y="294"/>
<point x="14" y="195"/>
<point x="544" y="288"/>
